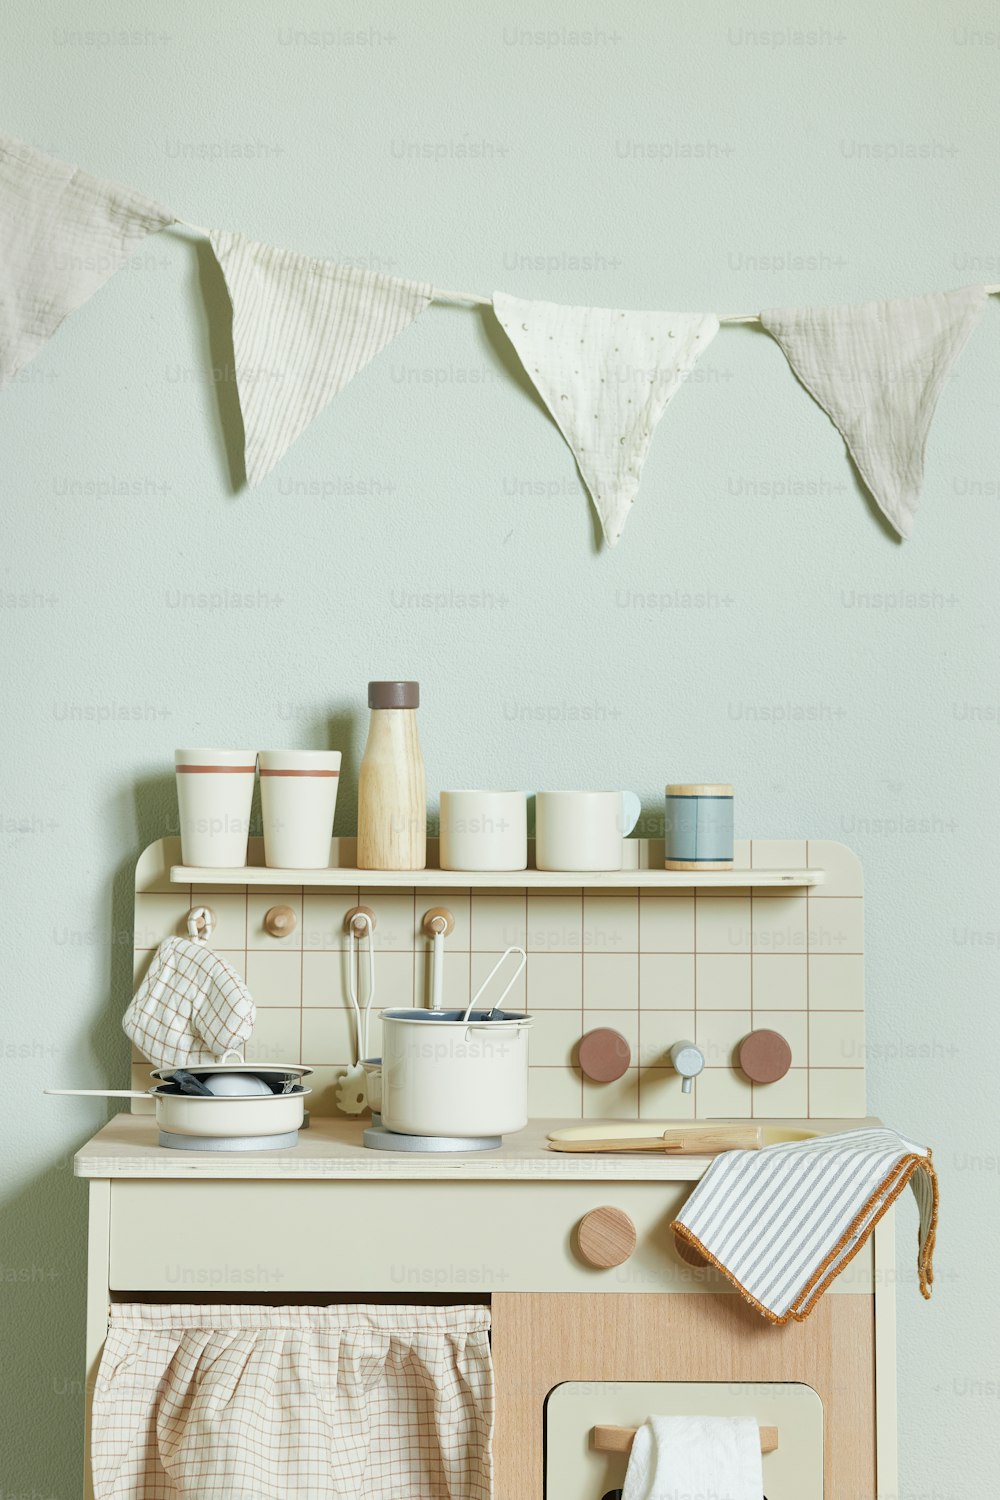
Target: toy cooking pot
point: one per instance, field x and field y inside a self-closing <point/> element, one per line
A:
<point x="240" y="1121"/>
<point x="453" y="1072"/>
<point x="458" y="1073"/>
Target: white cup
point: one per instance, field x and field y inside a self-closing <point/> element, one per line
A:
<point x="484" y="831"/>
<point x="298" y="798"/>
<point x="214" y="796"/>
<point x="583" y="830"/>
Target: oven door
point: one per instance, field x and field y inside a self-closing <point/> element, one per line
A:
<point x="575" y="1469"/>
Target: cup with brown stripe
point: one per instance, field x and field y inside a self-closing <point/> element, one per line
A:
<point x="214" y="796"/>
<point x="298" y="798"/>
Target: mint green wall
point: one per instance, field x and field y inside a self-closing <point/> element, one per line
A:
<point x="845" y="683"/>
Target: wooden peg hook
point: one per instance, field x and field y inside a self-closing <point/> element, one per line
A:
<point x="433" y="919"/>
<point x="355" y="921"/>
<point x="203" y="917"/>
<point x="279" y="921"/>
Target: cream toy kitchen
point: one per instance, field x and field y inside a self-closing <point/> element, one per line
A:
<point x="489" y="1279"/>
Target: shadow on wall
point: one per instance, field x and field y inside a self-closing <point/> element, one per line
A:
<point x="43" y="1226"/>
<point x="217" y="333"/>
<point x="43" y="1229"/>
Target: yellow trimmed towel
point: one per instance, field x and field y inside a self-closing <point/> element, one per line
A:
<point x="782" y="1223"/>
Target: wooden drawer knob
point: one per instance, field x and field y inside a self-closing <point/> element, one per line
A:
<point x="604" y="1055"/>
<point x="605" y="1237"/>
<point x="280" y="921"/>
<point x="765" y="1056"/>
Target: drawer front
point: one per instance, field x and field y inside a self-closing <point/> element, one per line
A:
<point x="407" y="1239"/>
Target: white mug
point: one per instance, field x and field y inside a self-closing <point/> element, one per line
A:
<point x="214" y="796"/>
<point x="298" y="798"/>
<point x="484" y="831"/>
<point x="583" y="830"/>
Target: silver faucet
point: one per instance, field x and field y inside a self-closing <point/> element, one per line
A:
<point x="689" y="1061"/>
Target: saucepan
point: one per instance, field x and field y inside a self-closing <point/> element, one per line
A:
<point x="453" y="1072"/>
<point x="260" y="1108"/>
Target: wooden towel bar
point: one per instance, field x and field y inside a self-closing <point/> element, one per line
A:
<point x="619" y="1439"/>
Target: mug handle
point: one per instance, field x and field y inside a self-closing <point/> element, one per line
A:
<point x="631" y="809"/>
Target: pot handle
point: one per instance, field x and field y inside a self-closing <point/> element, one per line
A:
<point x="102" y="1093"/>
<point x="493" y="1028"/>
<point x="231" y="1054"/>
<point x="507" y="988"/>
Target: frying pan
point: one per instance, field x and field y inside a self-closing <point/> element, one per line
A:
<point x="229" y="1117"/>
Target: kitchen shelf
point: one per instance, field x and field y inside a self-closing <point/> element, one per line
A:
<point x="349" y="878"/>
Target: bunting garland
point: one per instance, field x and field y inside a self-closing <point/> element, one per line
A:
<point x="877" y="370"/>
<point x="606" y="377"/>
<point x="63" y="234"/>
<point x="303" y="328"/>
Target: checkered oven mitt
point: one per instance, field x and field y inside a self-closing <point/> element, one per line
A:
<point x="192" y="1007"/>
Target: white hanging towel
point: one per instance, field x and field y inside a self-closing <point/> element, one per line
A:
<point x="680" y="1458"/>
<point x="63" y="234"/>
<point x="607" y="377"/>
<point x="782" y="1223"/>
<point x="876" y="369"/>
<point x="302" y="328"/>
<point x="359" y="1401"/>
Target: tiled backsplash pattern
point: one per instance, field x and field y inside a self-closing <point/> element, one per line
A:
<point x="657" y="967"/>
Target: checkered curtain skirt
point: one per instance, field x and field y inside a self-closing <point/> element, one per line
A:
<point x="294" y="1403"/>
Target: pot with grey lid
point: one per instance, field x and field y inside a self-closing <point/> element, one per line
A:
<point x="392" y="790"/>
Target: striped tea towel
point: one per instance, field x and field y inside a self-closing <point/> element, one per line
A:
<point x="783" y="1222"/>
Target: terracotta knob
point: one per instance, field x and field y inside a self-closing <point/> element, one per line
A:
<point x="604" y="1055"/>
<point x="605" y="1237"/>
<point x="689" y="1254"/>
<point x="765" y="1056"/>
<point x="280" y="921"/>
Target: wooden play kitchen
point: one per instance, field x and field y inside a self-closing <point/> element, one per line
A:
<point x="596" y="1318"/>
<point x="674" y="1014"/>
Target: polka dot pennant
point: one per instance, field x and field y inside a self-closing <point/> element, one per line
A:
<point x="607" y="377"/>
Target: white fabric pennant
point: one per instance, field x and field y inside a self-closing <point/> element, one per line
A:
<point x="63" y="234"/>
<point x="876" y="369"/>
<point x="302" y="328"/>
<point x="606" y="377"/>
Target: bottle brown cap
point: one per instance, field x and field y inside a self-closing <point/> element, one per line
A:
<point x="394" y="695"/>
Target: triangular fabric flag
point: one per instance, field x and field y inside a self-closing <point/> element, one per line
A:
<point x="876" y="369"/>
<point x="63" y="234"/>
<point x="606" y="376"/>
<point x="302" y="328"/>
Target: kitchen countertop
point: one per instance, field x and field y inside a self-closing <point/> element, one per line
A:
<point x="331" y="1149"/>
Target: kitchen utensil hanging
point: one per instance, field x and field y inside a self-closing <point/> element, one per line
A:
<point x="352" y="1090"/>
<point x="438" y="924"/>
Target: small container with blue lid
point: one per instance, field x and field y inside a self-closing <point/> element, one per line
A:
<point x="699" y="826"/>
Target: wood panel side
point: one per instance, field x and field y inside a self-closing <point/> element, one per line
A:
<point x="540" y="1340"/>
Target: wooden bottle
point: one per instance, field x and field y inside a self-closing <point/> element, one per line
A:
<point x="392" y="790"/>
